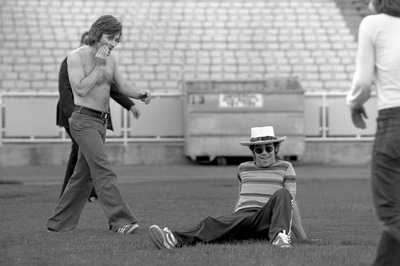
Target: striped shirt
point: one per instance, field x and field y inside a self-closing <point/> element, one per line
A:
<point x="258" y="184"/>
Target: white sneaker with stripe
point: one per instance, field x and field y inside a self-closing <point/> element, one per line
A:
<point x="162" y="238"/>
<point x="282" y="240"/>
<point x="128" y="229"/>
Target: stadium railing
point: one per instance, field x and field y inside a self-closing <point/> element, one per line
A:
<point x="30" y="118"/>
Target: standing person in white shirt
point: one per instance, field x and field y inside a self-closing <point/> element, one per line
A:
<point x="378" y="62"/>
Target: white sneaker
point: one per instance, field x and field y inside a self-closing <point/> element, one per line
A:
<point x="128" y="229"/>
<point x="162" y="238"/>
<point x="282" y="240"/>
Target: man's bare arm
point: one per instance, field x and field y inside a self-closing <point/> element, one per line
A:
<point x="80" y="83"/>
<point x="129" y="89"/>
<point x="297" y="225"/>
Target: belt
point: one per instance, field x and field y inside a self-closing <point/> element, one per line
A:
<point x="91" y="112"/>
<point x="389" y="111"/>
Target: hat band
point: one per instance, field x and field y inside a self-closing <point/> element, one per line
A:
<point x="262" y="138"/>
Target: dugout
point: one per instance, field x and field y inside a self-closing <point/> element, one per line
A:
<point x="219" y="114"/>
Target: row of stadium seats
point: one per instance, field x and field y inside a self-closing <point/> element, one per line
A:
<point x="167" y="42"/>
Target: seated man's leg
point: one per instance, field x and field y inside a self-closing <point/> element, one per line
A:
<point x="282" y="209"/>
<point x="241" y="225"/>
<point x="273" y="218"/>
<point x="210" y="230"/>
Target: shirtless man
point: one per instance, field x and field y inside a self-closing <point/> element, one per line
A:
<point x="91" y="70"/>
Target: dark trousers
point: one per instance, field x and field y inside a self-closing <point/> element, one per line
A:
<point x="250" y="223"/>
<point x="386" y="184"/>
<point x="92" y="169"/>
<point x="73" y="158"/>
<point x="388" y="251"/>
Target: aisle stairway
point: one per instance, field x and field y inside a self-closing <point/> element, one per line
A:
<point x="353" y="12"/>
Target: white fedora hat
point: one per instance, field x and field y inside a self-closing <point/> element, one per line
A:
<point x="262" y="135"/>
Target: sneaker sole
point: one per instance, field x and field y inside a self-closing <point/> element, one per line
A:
<point x="133" y="229"/>
<point x="157" y="237"/>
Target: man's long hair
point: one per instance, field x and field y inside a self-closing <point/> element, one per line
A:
<point x="84" y="38"/>
<point x="389" y="7"/>
<point x="105" y="24"/>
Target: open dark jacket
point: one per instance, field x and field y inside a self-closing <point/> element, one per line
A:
<point x="65" y="105"/>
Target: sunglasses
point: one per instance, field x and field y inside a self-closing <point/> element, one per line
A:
<point x="260" y="149"/>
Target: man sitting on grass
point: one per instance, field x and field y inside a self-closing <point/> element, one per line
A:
<point x="266" y="207"/>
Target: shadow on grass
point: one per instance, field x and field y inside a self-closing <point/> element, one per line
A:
<point x="9" y="182"/>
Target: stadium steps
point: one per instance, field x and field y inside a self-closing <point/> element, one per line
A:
<point x="166" y="42"/>
<point x="353" y="12"/>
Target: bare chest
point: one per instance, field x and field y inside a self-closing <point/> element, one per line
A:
<point x="107" y="75"/>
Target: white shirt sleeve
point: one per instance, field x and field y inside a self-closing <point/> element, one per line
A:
<point x="365" y="64"/>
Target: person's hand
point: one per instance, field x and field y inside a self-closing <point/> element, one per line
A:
<point x="145" y="96"/>
<point x="135" y="111"/>
<point x="358" y="115"/>
<point x="101" y="55"/>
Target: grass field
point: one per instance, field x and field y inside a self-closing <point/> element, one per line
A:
<point x="338" y="211"/>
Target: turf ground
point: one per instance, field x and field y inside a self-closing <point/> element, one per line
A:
<point x="335" y="203"/>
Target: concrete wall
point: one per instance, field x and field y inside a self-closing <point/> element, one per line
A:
<point x="339" y="153"/>
<point x="119" y="154"/>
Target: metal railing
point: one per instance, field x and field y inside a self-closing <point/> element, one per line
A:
<point x="30" y="117"/>
<point x="327" y="118"/>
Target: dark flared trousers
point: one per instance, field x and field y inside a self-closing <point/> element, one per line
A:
<point x="73" y="158"/>
<point x="386" y="184"/>
<point x="92" y="168"/>
<point x="250" y="223"/>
